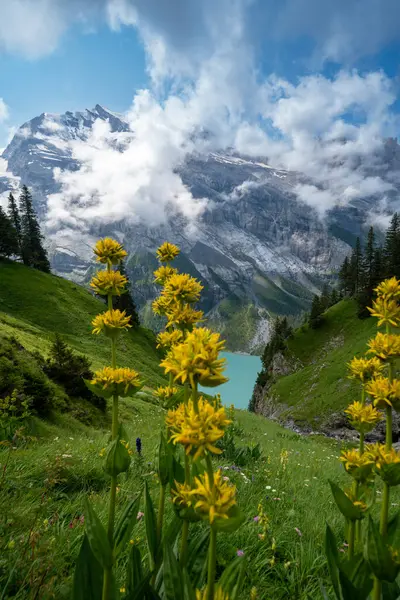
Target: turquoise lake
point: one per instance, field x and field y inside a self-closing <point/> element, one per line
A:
<point x="242" y="371"/>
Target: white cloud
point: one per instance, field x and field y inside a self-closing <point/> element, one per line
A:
<point x="4" y="112"/>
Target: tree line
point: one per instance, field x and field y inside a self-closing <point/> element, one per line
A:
<point x="20" y="234"/>
<point x="362" y="271"/>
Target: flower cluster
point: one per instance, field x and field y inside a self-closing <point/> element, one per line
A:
<point x="211" y="499"/>
<point x="166" y="392"/>
<point x="358" y="465"/>
<point x="363" y="417"/>
<point x="163" y="273"/>
<point x="166" y="339"/>
<point x="365" y="368"/>
<point x="109" y="251"/>
<point x="119" y="381"/>
<point x="385" y="346"/>
<point x="181" y="287"/>
<point x="111" y="322"/>
<point x="197" y="359"/>
<point x="109" y="282"/>
<point x="167" y="252"/>
<point x="197" y="430"/>
<point x="384" y="392"/>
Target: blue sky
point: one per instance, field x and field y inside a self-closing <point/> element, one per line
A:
<point x="97" y="54"/>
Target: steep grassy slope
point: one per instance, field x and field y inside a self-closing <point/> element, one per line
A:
<point x="34" y="306"/>
<point x="320" y="386"/>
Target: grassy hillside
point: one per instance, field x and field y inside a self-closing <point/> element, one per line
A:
<point x="321" y="387"/>
<point x="34" y="306"/>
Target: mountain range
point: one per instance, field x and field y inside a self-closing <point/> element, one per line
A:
<point x="257" y="249"/>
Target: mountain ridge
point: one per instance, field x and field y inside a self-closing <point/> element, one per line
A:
<point x="257" y="249"/>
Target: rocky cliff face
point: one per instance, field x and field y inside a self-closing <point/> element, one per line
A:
<point x="257" y="249"/>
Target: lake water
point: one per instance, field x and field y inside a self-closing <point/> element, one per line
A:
<point x="242" y="371"/>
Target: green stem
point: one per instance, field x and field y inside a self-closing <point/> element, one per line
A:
<point x="352" y="532"/>
<point x="195" y="396"/>
<point x="184" y="540"/>
<point x="113" y="489"/>
<point x="384" y="510"/>
<point x="377" y="589"/>
<point x="212" y="556"/>
<point x="160" y="516"/>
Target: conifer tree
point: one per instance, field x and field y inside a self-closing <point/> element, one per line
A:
<point x="392" y="248"/>
<point x="315" y="319"/>
<point x="33" y="253"/>
<point x="125" y="301"/>
<point x="356" y="268"/>
<point x="15" y="220"/>
<point x="345" y="277"/>
<point x="8" y="236"/>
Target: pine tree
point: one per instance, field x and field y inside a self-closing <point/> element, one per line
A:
<point x="334" y="297"/>
<point x="315" y="319"/>
<point x="356" y="268"/>
<point x="33" y="253"/>
<point x="345" y="277"/>
<point x="392" y="248"/>
<point x="8" y="236"/>
<point x="125" y="301"/>
<point x="16" y="220"/>
<point x="369" y="258"/>
<point x="325" y="298"/>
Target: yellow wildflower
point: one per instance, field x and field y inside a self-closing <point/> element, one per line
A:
<point x="364" y="368"/>
<point x="166" y="392"/>
<point x="357" y="465"/>
<point x="253" y="593"/>
<point x="110" y="322"/>
<point x="383" y="391"/>
<point x="161" y="306"/>
<point x="390" y="288"/>
<point x="358" y="503"/>
<point x="163" y="273"/>
<point x="381" y="455"/>
<point x="167" y="252"/>
<point x="182" y="288"/>
<point x="123" y="382"/>
<point x="182" y="495"/>
<point x="109" y="282"/>
<point x="109" y="251"/>
<point x="213" y="501"/>
<point x="363" y="417"/>
<point x="197" y="430"/>
<point x="385" y="346"/>
<point x="183" y="317"/>
<point x="196" y="359"/>
<point x="219" y="594"/>
<point x="387" y="462"/>
<point x="387" y="311"/>
<point x="166" y="339"/>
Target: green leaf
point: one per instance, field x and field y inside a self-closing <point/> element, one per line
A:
<point x="177" y="473"/>
<point x="232" y="575"/>
<point x="118" y="458"/>
<point x="97" y="537"/>
<point x="150" y="523"/>
<point x="359" y="573"/>
<point x="349" y="592"/>
<point x="125" y="524"/>
<point x="176" y="399"/>
<point x="197" y="556"/>
<point x="233" y="522"/>
<point x="173" y="587"/>
<point x="88" y="576"/>
<point x="378" y="555"/>
<point x="98" y="390"/>
<point x="393" y="530"/>
<point x="344" y="504"/>
<point x="390" y="591"/>
<point x="188" y="590"/>
<point x="163" y="460"/>
<point x="134" y="576"/>
<point x="332" y="557"/>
